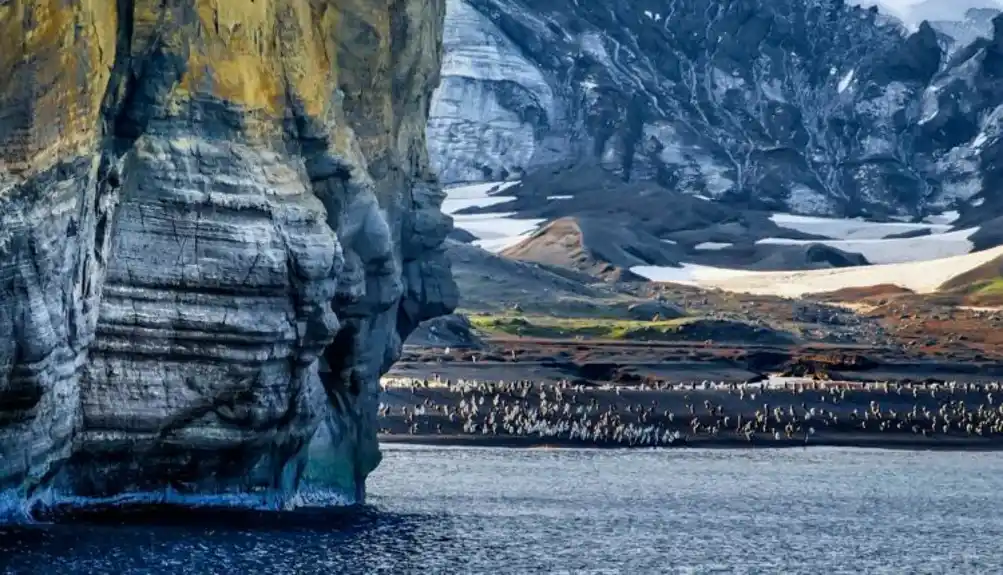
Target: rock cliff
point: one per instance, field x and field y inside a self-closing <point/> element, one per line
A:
<point x="200" y="200"/>
<point x="813" y="106"/>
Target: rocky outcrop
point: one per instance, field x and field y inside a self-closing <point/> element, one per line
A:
<point x="817" y="106"/>
<point x="199" y="200"/>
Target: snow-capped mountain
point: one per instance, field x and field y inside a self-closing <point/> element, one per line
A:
<point x="913" y="12"/>
<point x="812" y="106"/>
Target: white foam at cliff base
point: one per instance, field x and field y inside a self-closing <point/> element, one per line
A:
<point x="920" y="277"/>
<point x="13" y="508"/>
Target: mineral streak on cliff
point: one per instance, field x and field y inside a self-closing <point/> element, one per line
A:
<point x="198" y="200"/>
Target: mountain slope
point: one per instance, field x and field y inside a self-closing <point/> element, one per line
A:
<point x="814" y="106"/>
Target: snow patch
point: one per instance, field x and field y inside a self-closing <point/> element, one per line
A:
<point x="851" y="228"/>
<point x="723" y="82"/>
<point x="692" y="274"/>
<point x="475" y="196"/>
<point x="930" y="106"/>
<point x="920" y="277"/>
<point x="713" y="246"/>
<point x="845" y="82"/>
<point x="945" y="218"/>
<point x="773" y="90"/>
<point x="494" y="231"/>
<point x="896" y="250"/>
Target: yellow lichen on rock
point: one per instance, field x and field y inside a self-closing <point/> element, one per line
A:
<point x="266" y="57"/>
<point x="257" y="55"/>
<point x="55" y="60"/>
<point x="363" y="40"/>
<point x="235" y="59"/>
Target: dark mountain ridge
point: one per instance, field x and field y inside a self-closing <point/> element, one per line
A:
<point x="811" y="106"/>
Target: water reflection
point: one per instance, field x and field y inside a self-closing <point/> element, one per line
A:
<point x="501" y="511"/>
<point x="163" y="539"/>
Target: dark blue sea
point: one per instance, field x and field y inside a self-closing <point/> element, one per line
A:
<point x="483" y="510"/>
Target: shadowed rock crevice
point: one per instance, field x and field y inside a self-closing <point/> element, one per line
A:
<point x="177" y="255"/>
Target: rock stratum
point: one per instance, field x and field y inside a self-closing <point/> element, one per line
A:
<point x="811" y="106"/>
<point x="202" y="202"/>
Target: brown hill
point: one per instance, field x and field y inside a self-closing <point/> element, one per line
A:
<point x="981" y="286"/>
<point x="604" y="249"/>
<point x="987" y="272"/>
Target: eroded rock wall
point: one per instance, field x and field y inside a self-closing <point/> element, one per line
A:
<point x="199" y="199"/>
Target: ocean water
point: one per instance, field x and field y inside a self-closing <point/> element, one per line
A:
<point x="492" y="511"/>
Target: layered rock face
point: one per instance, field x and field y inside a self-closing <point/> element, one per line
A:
<point x="199" y="200"/>
<point x="813" y="106"/>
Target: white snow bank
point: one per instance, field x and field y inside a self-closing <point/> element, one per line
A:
<point x="692" y="274"/>
<point x="852" y="229"/>
<point x="896" y="250"/>
<point x="920" y="277"/>
<point x="475" y="196"/>
<point x="945" y="218"/>
<point x="494" y="231"/>
<point x="712" y="246"/>
<point x="844" y="83"/>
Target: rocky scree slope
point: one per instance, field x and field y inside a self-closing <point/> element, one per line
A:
<point x="812" y="106"/>
<point x="198" y="201"/>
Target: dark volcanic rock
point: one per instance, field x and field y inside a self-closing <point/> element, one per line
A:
<point x="823" y="256"/>
<point x="452" y="330"/>
<point x="462" y="235"/>
<point x="989" y="235"/>
<point x="910" y="234"/>
<point x="655" y="310"/>
<point x="812" y="106"/>
<point x="779" y="257"/>
<point x="720" y="330"/>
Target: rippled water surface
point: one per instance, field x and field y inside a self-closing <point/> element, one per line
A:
<point x="468" y="510"/>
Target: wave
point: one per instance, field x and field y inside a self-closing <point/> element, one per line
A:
<point x="51" y="505"/>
